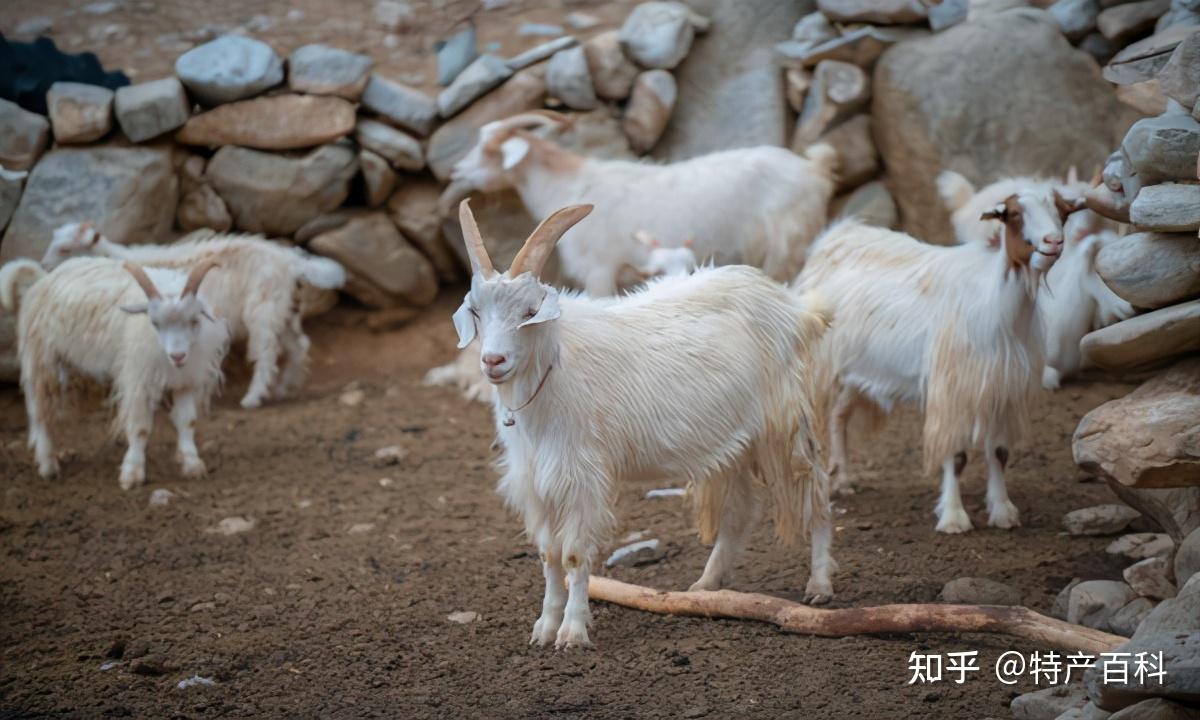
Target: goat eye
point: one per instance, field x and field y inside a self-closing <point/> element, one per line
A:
<point x="530" y="313"/>
<point x="474" y="312"/>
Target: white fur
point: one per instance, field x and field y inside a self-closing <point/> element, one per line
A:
<point x="759" y="206"/>
<point x="952" y="329"/>
<point x="89" y="316"/>
<point x="1074" y="300"/>
<point x="697" y="376"/>
<point x="256" y="293"/>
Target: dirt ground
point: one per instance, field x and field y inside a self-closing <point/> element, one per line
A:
<point x="335" y="604"/>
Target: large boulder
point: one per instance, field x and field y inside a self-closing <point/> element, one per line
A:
<point x="1162" y="148"/>
<point x="1152" y="270"/>
<point x="478" y="78"/>
<point x="649" y="109"/>
<point x="1175" y="510"/>
<point x="1094" y="602"/>
<point x="79" y="113"/>
<point x="23" y="136"/>
<point x="324" y="70"/>
<point x="1145" y="340"/>
<point x="611" y="70"/>
<point x="229" y="68"/>
<point x="414" y="209"/>
<point x="1005" y="64"/>
<point x="147" y="110"/>
<point x="730" y="92"/>
<point x="278" y="122"/>
<point x="128" y="192"/>
<point x="569" y="79"/>
<point x="276" y="194"/>
<point x="658" y="34"/>
<point x="1169" y="207"/>
<point x="384" y="270"/>
<point x="1150" y="438"/>
<point x="400" y="104"/>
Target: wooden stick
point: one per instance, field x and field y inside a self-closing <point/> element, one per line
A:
<point x="909" y="618"/>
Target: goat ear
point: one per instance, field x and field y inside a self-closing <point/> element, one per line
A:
<point x="513" y="151"/>
<point x="1000" y="212"/>
<point x="1066" y="207"/>
<point x="136" y="308"/>
<point x="464" y="324"/>
<point x="548" y="311"/>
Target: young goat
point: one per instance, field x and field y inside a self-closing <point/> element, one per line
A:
<point x="760" y="206"/>
<point x="86" y="316"/>
<point x="697" y="376"/>
<point x="952" y="328"/>
<point x="1074" y="300"/>
<point x="256" y="293"/>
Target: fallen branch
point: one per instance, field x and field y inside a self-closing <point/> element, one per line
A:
<point x="909" y="618"/>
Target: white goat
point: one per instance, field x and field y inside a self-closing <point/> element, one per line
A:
<point x="1075" y="300"/>
<point x="951" y="328"/>
<point x="760" y="206"/>
<point x="256" y="293"/>
<point x="463" y="373"/>
<point x="86" y="317"/>
<point x="697" y="376"/>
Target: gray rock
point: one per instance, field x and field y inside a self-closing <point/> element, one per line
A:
<point x="1169" y="207"/>
<point x="202" y="207"/>
<point x="870" y="203"/>
<point x="1139" y="546"/>
<point x="525" y="91"/>
<point x="539" y="29"/>
<point x="406" y="107"/>
<point x="611" y="71"/>
<point x="838" y="91"/>
<point x="1180" y="77"/>
<point x="393" y="15"/>
<point x="1180" y="15"/>
<point x="568" y="79"/>
<point x="939" y="120"/>
<point x="541" y="52"/>
<point x="979" y="591"/>
<point x="1156" y="709"/>
<point x="658" y="34"/>
<point x="456" y="54"/>
<point x="479" y="78"/>
<point x="649" y="109"/>
<point x="1187" y="558"/>
<point x="1123" y="23"/>
<point x="1062" y="601"/>
<point x="283" y="121"/>
<point x="812" y="30"/>
<point x="129" y="193"/>
<point x="1175" y="511"/>
<point x="1145" y="340"/>
<point x="324" y="70"/>
<point x="1099" y="47"/>
<point x="1162" y="148"/>
<point x="23" y="136"/>
<point x="147" y="110"/>
<point x="1076" y="18"/>
<point x="400" y="149"/>
<point x="582" y="21"/>
<point x="384" y="270"/>
<point x="1099" y="519"/>
<point x="1126" y="620"/>
<point x="274" y="194"/>
<point x="879" y="12"/>
<point x="79" y="113"/>
<point x="1151" y="578"/>
<point x="378" y="178"/>
<point x="729" y="90"/>
<point x="644" y="552"/>
<point x="860" y="46"/>
<point x="858" y="159"/>
<point x="1142" y="60"/>
<point x="1048" y="703"/>
<point x="1169" y="629"/>
<point x="229" y="68"/>
<point x="1151" y="269"/>
<point x="948" y="13"/>
<point x="1093" y="602"/>
<point x="414" y="210"/>
<point x="11" y="183"/>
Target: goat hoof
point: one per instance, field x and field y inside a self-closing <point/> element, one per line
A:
<point x="953" y="523"/>
<point x="250" y="403"/>
<point x="1004" y="516"/>
<point x="705" y="584"/>
<point x="193" y="468"/>
<point x="48" y="470"/>
<point x="845" y="490"/>
<point x="818" y="592"/>
<point x="544" y="631"/>
<point x="131" y="478"/>
<point x="572" y="634"/>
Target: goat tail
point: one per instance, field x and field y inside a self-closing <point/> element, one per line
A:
<point x="825" y="157"/>
<point x="320" y="272"/>
<point x="954" y="189"/>
<point x="15" y="279"/>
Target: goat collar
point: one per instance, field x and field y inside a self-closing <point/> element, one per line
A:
<point x="509" y="420"/>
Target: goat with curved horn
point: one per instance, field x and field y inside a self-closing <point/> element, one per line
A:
<point x="537" y="248"/>
<point x="481" y="263"/>
<point x="196" y="276"/>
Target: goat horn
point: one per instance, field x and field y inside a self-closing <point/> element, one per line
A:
<point x="538" y="247"/>
<point x="143" y="280"/>
<point x="480" y="262"/>
<point x="196" y="276"/>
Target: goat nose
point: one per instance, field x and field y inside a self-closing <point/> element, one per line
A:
<point x="178" y="358"/>
<point x="1053" y="239"/>
<point x="493" y="360"/>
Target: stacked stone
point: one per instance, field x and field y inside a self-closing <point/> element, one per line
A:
<point x="241" y="140"/>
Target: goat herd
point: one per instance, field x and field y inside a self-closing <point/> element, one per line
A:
<point x="713" y="371"/>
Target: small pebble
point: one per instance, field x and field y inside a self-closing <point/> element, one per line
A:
<point x="666" y="493"/>
<point x="463" y="617"/>
<point x="161" y="497"/>
<point x="361" y="528"/>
